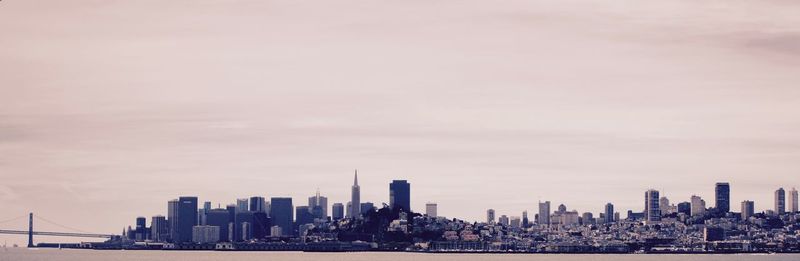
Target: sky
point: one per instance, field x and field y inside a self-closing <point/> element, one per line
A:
<point x="108" y="109"/>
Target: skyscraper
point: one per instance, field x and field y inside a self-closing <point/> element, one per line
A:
<point x="503" y="220"/>
<point x="663" y="203"/>
<point x="525" y="220"/>
<point x="187" y="219"/>
<point x="303" y="216"/>
<point x="698" y="206"/>
<point x="490" y="216"/>
<point x="723" y="197"/>
<point x="544" y="213"/>
<point x="282" y="213"/>
<point x="748" y="209"/>
<point x="258" y="205"/>
<point x="780" y="201"/>
<point x="792" y="201"/>
<point x="337" y="211"/>
<point x="219" y="218"/>
<point x="241" y="205"/>
<point x="431" y="209"/>
<point x="367" y="207"/>
<point x="318" y="205"/>
<point x="609" y="213"/>
<point x="400" y="195"/>
<point x="354" y="210"/>
<point x="158" y="229"/>
<point x="172" y="220"/>
<point x="652" y="210"/>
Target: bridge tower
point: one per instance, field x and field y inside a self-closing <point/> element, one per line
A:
<point x="30" y="230"/>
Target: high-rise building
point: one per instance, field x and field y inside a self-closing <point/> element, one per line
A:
<point x="258" y="204"/>
<point x="780" y="201"/>
<point x="261" y="225"/>
<point x="698" y="206"/>
<point x="609" y="213"/>
<point x="748" y="209"/>
<point x="337" y="211"/>
<point x="219" y="217"/>
<point x="723" y="197"/>
<point x="792" y="201"/>
<point x="201" y="219"/>
<point x="503" y="220"/>
<point x="158" y="229"/>
<point x="318" y="205"/>
<point x="354" y="210"/>
<point x="663" y="203"/>
<point x="400" y="195"/>
<point x="587" y="218"/>
<point x="187" y="218"/>
<point x="303" y="216"/>
<point x="544" y="213"/>
<point x="685" y="208"/>
<point x="242" y="205"/>
<point x="431" y="209"/>
<point x="281" y="214"/>
<point x="242" y="226"/>
<point x="525" y="221"/>
<point x="172" y="220"/>
<point x="141" y="232"/>
<point x="652" y="210"/>
<point x="515" y="222"/>
<point x="367" y="207"/>
<point x="490" y="216"/>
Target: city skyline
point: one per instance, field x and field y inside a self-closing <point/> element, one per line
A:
<point x="111" y="107"/>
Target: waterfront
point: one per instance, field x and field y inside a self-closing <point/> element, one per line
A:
<point x="23" y="254"/>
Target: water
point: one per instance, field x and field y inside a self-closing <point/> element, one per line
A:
<point x="22" y="254"/>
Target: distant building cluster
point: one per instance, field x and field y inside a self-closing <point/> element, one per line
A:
<point x="661" y="226"/>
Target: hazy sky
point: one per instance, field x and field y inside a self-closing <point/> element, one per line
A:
<point x="110" y="108"/>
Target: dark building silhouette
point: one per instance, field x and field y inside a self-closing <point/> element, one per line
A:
<point x="243" y="226"/>
<point x="261" y="225"/>
<point x="187" y="219"/>
<point x="281" y="213"/>
<point x="337" y="211"/>
<point x="219" y="217"/>
<point x="303" y="216"/>
<point x="685" y="208"/>
<point x="367" y="207"/>
<point x="400" y="195"/>
<point x="258" y="204"/>
<point x="723" y="197"/>
<point x="141" y="232"/>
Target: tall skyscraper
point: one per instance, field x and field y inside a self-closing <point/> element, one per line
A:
<point x="792" y="202"/>
<point x="172" y="220"/>
<point x="281" y="213"/>
<point x="318" y="205"/>
<point x="242" y="205"/>
<point x="780" y="201"/>
<point x="337" y="211"/>
<point x="609" y="213"/>
<point x="303" y="216"/>
<point x="431" y="209"/>
<point x="354" y="210"/>
<point x="698" y="206"/>
<point x="663" y="203"/>
<point x="544" y="213"/>
<point x="652" y="210"/>
<point x="158" y="229"/>
<point x="258" y="205"/>
<point x="748" y="209"/>
<point x="723" y="197"/>
<point x="219" y="218"/>
<point x="525" y="221"/>
<point x="685" y="208"/>
<point x="400" y="195"/>
<point x="187" y="218"/>
<point x="490" y="216"/>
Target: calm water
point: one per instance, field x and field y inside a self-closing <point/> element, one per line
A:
<point x="22" y="254"/>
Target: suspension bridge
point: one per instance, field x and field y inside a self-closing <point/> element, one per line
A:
<point x="30" y="232"/>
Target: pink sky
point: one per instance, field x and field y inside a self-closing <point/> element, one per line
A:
<point x="110" y="108"/>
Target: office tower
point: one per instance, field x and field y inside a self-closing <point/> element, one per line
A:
<point x="698" y="206"/>
<point x="609" y="213"/>
<point x="201" y="219"/>
<point x="219" y="217"/>
<point x="303" y="216"/>
<point x="242" y="205"/>
<point x="158" y="229"/>
<point x="722" y="194"/>
<point x="544" y="213"/>
<point x="792" y="201"/>
<point x="748" y="209"/>
<point x="685" y="208"/>
<point x="515" y="222"/>
<point x="367" y="207"/>
<point x="490" y="216"/>
<point x="503" y="220"/>
<point x="616" y="216"/>
<point x="258" y="204"/>
<point x="337" y="211"/>
<point x="587" y="218"/>
<point x="318" y="205"/>
<point x="663" y="203"/>
<point x="281" y="214"/>
<point x="141" y="229"/>
<point x="261" y="225"/>
<point x="187" y="219"/>
<point x="205" y="234"/>
<point x="525" y="221"/>
<point x="231" y="208"/>
<point x="780" y="201"/>
<point x="243" y="225"/>
<point x="652" y="210"/>
<point x="172" y="220"/>
<point x="400" y="195"/>
<point x="354" y="208"/>
<point x="431" y="209"/>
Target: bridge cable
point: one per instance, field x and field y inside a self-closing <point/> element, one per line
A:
<point x="13" y="219"/>
<point x="62" y="226"/>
